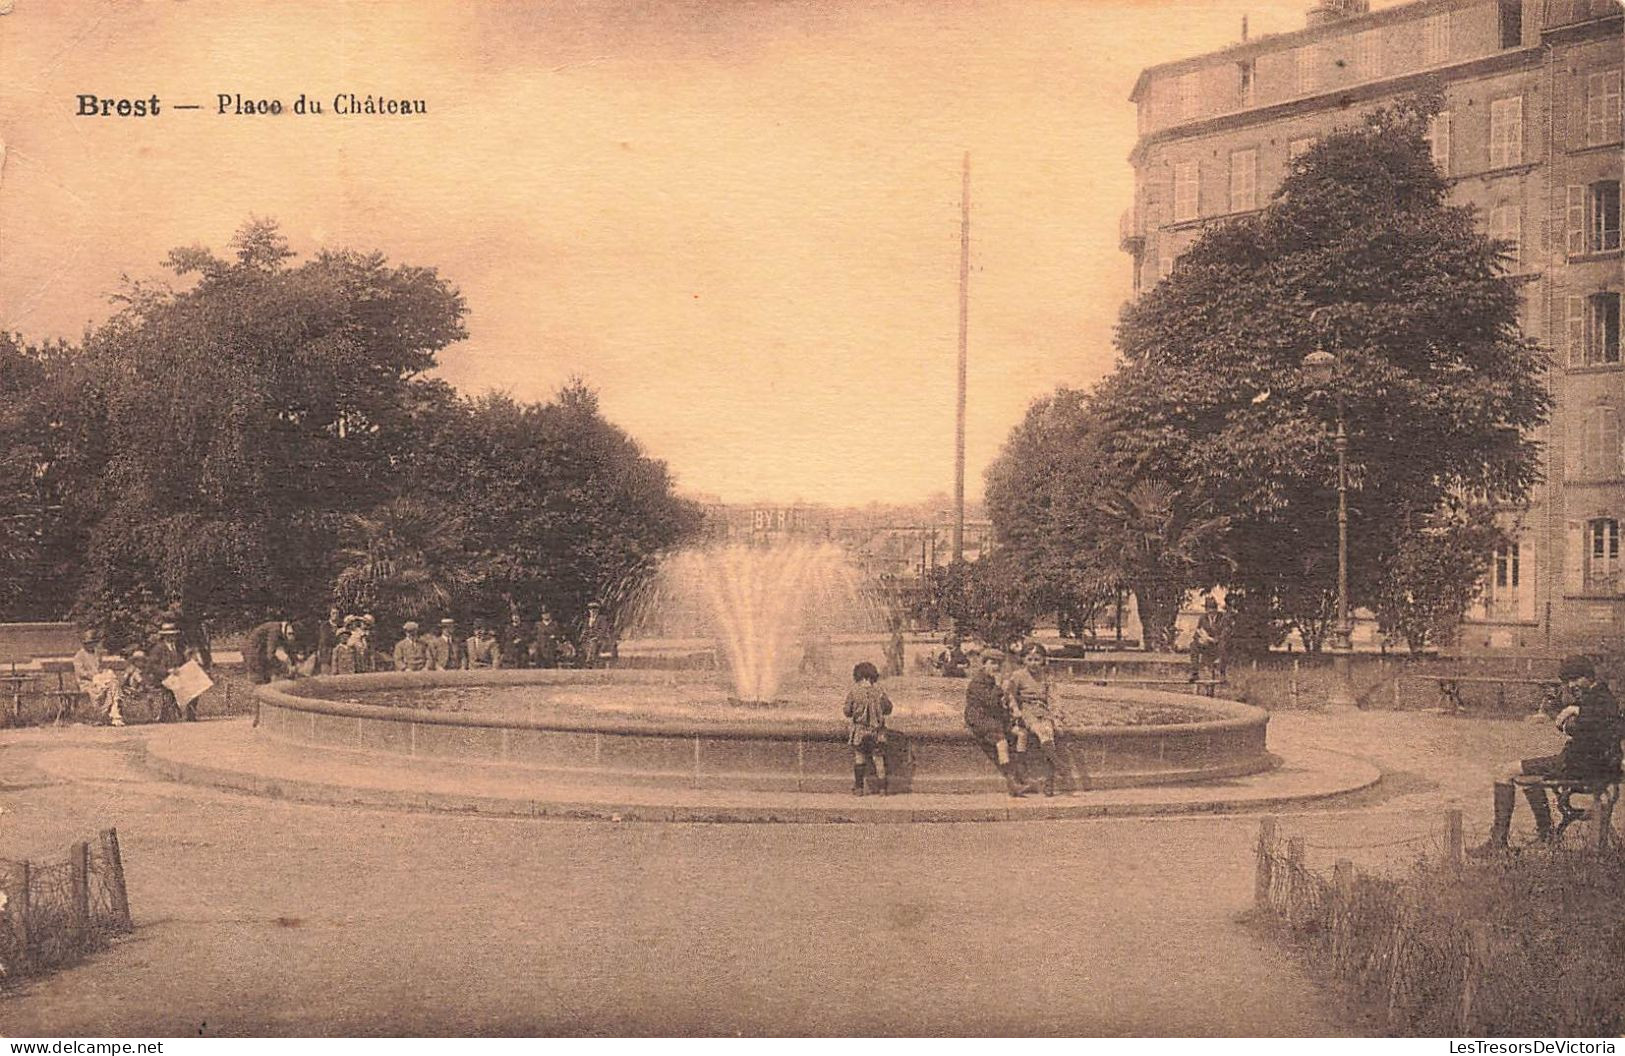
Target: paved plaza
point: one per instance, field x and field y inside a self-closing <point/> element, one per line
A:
<point x="257" y="915"/>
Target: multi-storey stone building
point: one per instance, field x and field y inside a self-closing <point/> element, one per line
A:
<point x="1531" y="135"/>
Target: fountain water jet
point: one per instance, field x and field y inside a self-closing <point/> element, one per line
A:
<point x="761" y="605"/>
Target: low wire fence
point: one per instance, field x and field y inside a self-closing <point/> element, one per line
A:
<point x="54" y="913"/>
<point x="1520" y="946"/>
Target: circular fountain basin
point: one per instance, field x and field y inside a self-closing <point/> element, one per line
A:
<point x="643" y="727"/>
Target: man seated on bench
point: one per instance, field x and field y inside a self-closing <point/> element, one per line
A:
<point x="1592" y="724"/>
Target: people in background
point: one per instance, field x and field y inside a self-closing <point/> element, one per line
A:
<point x="894" y="651"/>
<point x="327" y="638"/>
<point x="267" y="651"/>
<point x="446" y="651"/>
<point x="545" y="646"/>
<point x="597" y="637"/>
<point x="1210" y="642"/>
<point x="411" y="652"/>
<point x="163" y="660"/>
<point x="515" y="641"/>
<point x="867" y="706"/>
<point x="95" y="681"/>
<point x="1592" y="724"/>
<point x="343" y="659"/>
<point x="951" y="662"/>
<point x="484" y="650"/>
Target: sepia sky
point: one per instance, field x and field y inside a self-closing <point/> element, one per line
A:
<point x="738" y="221"/>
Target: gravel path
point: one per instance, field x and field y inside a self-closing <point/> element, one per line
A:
<point x="256" y="916"/>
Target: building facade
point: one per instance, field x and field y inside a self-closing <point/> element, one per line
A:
<point x="1531" y="134"/>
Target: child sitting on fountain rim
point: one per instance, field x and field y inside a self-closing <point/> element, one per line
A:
<point x="1027" y="693"/>
<point x="867" y="706"/>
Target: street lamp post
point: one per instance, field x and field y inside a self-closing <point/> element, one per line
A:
<point x="1320" y="367"/>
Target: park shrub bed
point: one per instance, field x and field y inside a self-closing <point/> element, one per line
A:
<point x="1528" y="945"/>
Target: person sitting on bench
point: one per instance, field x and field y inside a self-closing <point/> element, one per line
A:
<point x="1592" y="753"/>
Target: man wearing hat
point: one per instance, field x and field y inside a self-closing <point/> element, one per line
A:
<point x="545" y="647"/>
<point x="95" y="681"/>
<point x="1592" y="724"/>
<point x="411" y="652"/>
<point x="163" y="660"/>
<point x="267" y="649"/>
<point x="327" y="637"/>
<point x="484" y="651"/>
<point x="1208" y="640"/>
<point x="446" y="649"/>
<point x="597" y="637"/>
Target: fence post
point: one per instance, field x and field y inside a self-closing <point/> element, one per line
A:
<point x="1474" y="957"/>
<point x="1294" y="858"/>
<point x="1266" y="851"/>
<point x="1452" y="837"/>
<point x="79" y="866"/>
<point x="1342" y="903"/>
<point x="17" y="909"/>
<point x="1395" y="979"/>
<point x="115" y="880"/>
<point x="1292" y="683"/>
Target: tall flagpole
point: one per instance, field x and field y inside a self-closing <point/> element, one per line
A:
<point x="964" y="344"/>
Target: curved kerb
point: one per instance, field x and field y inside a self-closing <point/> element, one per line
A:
<point x="761" y="753"/>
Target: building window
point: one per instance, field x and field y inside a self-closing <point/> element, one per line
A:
<point x="1187" y="191"/>
<point x="1505" y="577"/>
<point x="1506" y="225"/>
<point x="1368" y="55"/>
<point x="1602" y="555"/>
<point x="1593" y="325"/>
<point x="1436" y="40"/>
<point x="1305" y="71"/>
<point x="1602" y="108"/>
<point x="1165" y="267"/>
<point x="1593" y="218"/>
<point x="1506" y="132"/>
<point x="1243" y="180"/>
<point x="1246" y="73"/>
<point x="1185" y="96"/>
<point x="1506" y="568"/>
<point x="1511" y="23"/>
<point x="1439" y="141"/>
<point x="1599" y="444"/>
<point x="1299" y="147"/>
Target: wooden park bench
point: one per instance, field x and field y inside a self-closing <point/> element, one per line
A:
<point x="1451" y="687"/>
<point x="66" y="693"/>
<point x="1603" y="793"/>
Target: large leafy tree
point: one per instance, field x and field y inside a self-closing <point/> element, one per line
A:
<point x="49" y="416"/>
<point x="1440" y="392"/>
<point x="246" y="416"/>
<point x="557" y="504"/>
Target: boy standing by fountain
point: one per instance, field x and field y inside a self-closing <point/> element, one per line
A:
<point x="867" y="706"/>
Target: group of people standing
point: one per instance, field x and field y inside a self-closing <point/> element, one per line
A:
<point x="348" y="644"/>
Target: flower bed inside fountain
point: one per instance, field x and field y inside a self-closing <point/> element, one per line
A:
<point x="681" y="729"/>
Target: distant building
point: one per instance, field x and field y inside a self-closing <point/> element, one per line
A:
<point x="1531" y="134"/>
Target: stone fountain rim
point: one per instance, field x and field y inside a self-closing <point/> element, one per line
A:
<point x="281" y="694"/>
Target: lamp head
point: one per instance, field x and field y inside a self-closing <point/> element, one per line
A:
<point x="1318" y="366"/>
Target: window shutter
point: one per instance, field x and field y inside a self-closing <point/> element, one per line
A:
<point x="1607" y="442"/>
<point x="1577" y="331"/>
<point x="1577" y="220"/>
<point x="1526" y="580"/>
<point x="1574" y="569"/>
